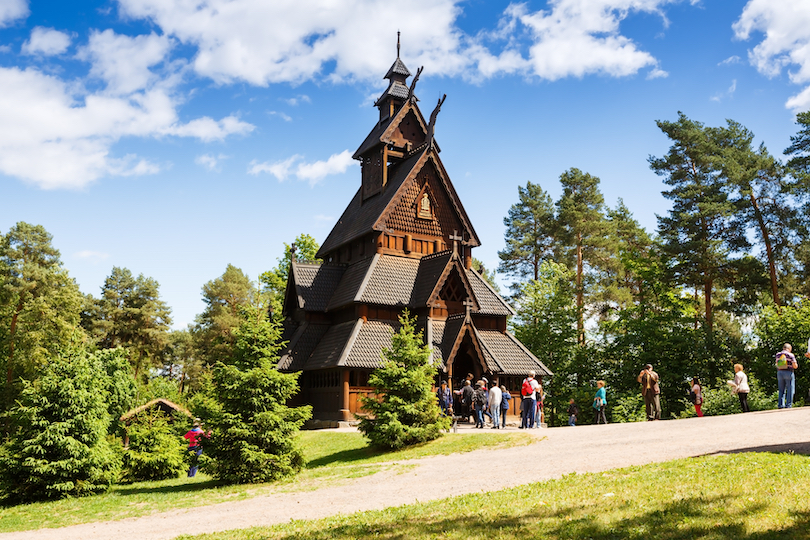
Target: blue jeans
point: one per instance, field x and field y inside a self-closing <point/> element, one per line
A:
<point x="503" y="417"/>
<point x="493" y="413"/>
<point x="528" y="405"/>
<point x="479" y="415"/>
<point x="197" y="451"/>
<point x="786" y="381"/>
<point x="572" y="420"/>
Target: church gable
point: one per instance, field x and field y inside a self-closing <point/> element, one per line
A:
<point x="425" y="208"/>
<point x="410" y="128"/>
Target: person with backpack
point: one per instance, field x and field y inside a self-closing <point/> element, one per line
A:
<point x="651" y="392"/>
<point x="573" y="412"/>
<point x="599" y="403"/>
<point x="506" y="397"/>
<point x="696" y="396"/>
<point x="479" y="401"/>
<point x="528" y="391"/>
<point x="785" y="366"/>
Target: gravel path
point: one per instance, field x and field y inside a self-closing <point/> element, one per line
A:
<point x="562" y="451"/>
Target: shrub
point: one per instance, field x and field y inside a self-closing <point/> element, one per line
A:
<point x="720" y="401"/>
<point x="406" y="411"/>
<point x="59" y="445"/>
<point x="629" y="408"/>
<point x="156" y="451"/>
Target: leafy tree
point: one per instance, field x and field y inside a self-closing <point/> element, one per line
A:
<point x="274" y="282"/>
<point x="701" y="231"/>
<point x="225" y="299"/>
<point x="799" y="148"/>
<point x="130" y="314"/>
<point x="119" y="383"/>
<point x="405" y="411"/>
<point x="774" y="328"/>
<point x="181" y="359"/>
<point x="253" y="430"/>
<point x="40" y="304"/>
<point x="584" y="233"/>
<point x="59" y="447"/>
<point x="156" y="451"/>
<point x="530" y="232"/>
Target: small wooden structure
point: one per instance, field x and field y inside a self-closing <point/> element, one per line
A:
<point x="166" y="407"/>
<point x="404" y="242"/>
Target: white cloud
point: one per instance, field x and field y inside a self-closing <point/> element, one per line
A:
<point x="657" y="73"/>
<point x="728" y="93"/>
<point x="91" y="256"/>
<point x="311" y="172"/>
<point x="293" y="101"/>
<point x="730" y="60"/>
<point x="11" y="10"/>
<point x="210" y="162"/>
<point x="5" y="48"/>
<point x="46" y="42"/>
<point x="786" y="28"/>
<point x="269" y="42"/>
<point x="63" y="135"/>
<point x="285" y="117"/>
<point x="123" y="62"/>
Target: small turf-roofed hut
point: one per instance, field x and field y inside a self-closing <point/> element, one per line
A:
<point x="403" y="242"/>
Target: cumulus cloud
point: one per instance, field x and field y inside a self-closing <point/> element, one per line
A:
<point x="269" y="42"/>
<point x="210" y="162"/>
<point x="283" y="116"/>
<point x="310" y="172"/>
<point x="11" y="10"/>
<point x="785" y="26"/>
<point x="46" y="42"/>
<point x="294" y="101"/>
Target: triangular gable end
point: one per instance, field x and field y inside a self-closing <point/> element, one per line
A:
<point x="447" y="288"/>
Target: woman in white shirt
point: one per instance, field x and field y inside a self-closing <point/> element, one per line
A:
<point x="741" y="386"/>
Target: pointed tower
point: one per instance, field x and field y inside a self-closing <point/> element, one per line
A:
<point x="403" y="242"/>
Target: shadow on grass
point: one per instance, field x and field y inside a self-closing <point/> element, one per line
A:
<point x="190" y="487"/>
<point x="797" y="448"/>
<point x="685" y="519"/>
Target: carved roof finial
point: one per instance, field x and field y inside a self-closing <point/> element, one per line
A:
<point x="433" y="115"/>
<point x="293" y="249"/>
<point x="397" y="43"/>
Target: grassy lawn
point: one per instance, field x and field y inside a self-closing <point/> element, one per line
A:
<point x="742" y="496"/>
<point x="331" y="458"/>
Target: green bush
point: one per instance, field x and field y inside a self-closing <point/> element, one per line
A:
<point x="406" y="411"/>
<point x="156" y="451"/>
<point x="720" y="401"/>
<point x="58" y="446"/>
<point x="629" y="408"/>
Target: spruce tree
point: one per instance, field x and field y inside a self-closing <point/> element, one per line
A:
<point x="59" y="445"/>
<point x="405" y="411"/>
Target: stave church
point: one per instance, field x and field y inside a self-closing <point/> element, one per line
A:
<point x="404" y="242"/>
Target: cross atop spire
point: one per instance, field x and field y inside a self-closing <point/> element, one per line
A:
<point x="397" y="43"/>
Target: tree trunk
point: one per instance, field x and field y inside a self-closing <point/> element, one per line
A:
<point x="707" y="291"/>
<point x="580" y="294"/>
<point x="763" y="230"/>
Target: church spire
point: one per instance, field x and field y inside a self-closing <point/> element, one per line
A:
<point x="397" y="92"/>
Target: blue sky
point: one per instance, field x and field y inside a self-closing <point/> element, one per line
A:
<point x="173" y="137"/>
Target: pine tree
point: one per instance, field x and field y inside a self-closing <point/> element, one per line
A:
<point x="59" y="445"/>
<point x="405" y="411"/>
<point x="274" y="282"/>
<point x="245" y="406"/>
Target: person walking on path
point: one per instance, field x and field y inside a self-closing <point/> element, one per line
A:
<point x="194" y="446"/>
<point x="445" y="398"/>
<point x="528" y="391"/>
<point x="697" y="392"/>
<point x="740" y="387"/>
<point x="785" y="366"/>
<point x="479" y="402"/>
<point x="466" y="394"/>
<point x="599" y="403"/>
<point x="506" y="397"/>
<point x="651" y="392"/>
<point x="573" y="412"/>
<point x="495" y="405"/>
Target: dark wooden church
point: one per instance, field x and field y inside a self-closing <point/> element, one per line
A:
<point x="404" y="242"/>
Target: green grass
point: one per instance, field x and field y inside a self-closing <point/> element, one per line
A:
<point x="742" y="496"/>
<point x="331" y="458"/>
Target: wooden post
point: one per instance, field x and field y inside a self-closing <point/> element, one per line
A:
<point x="345" y="412"/>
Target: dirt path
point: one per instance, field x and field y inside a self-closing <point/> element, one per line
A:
<point x="564" y="450"/>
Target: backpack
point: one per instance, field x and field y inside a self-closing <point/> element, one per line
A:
<point x="479" y="397"/>
<point x="782" y="361"/>
<point x="526" y="390"/>
<point x="692" y="396"/>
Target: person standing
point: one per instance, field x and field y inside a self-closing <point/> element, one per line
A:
<point x="528" y="391"/>
<point x="651" y="392"/>
<point x="697" y="391"/>
<point x="599" y="403"/>
<point x="479" y="400"/>
<point x="194" y="445"/>
<point x="445" y="398"/>
<point x="495" y="396"/>
<point x="506" y="398"/>
<point x="573" y="412"/>
<point x="740" y="387"/>
<point x="785" y="366"/>
<point x="466" y="394"/>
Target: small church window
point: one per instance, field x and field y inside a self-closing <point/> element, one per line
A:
<point x="424" y="207"/>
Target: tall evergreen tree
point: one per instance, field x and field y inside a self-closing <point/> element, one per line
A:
<point x="226" y="298"/>
<point x="529" y="236"/>
<point x="274" y="281"/>
<point x="130" y="314"/>
<point x="40" y="305"/>
<point x="584" y="233"/>
<point x="701" y="232"/>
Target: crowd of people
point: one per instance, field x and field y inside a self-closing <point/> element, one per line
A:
<point x="489" y="403"/>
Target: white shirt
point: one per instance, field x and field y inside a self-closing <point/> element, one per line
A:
<point x="495" y="395"/>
